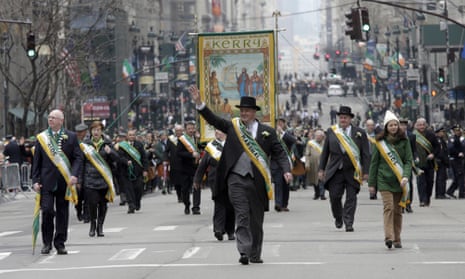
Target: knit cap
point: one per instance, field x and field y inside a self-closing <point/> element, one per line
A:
<point x="388" y="116"/>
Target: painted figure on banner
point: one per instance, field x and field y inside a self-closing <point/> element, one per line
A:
<point x="215" y="92"/>
<point x="243" y="83"/>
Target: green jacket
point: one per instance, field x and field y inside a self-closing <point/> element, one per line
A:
<point x="381" y="175"/>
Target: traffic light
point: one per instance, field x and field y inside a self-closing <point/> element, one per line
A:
<point x="441" y="77"/>
<point x="31" y="45"/>
<point x="327" y="56"/>
<point x="433" y="93"/>
<point x="338" y="52"/>
<point x="353" y="28"/>
<point x="365" y="19"/>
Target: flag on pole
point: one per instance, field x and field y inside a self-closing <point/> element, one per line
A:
<point x="71" y="67"/>
<point x="35" y="222"/>
<point x="128" y="70"/>
<point x="181" y="43"/>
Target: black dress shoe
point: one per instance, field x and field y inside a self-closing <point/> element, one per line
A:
<point x="231" y="236"/>
<point x="388" y="243"/>
<point x="409" y="209"/>
<point x="323" y="198"/>
<point x="195" y="212"/>
<point x="219" y="236"/>
<point x="46" y="249"/>
<point x="244" y="259"/>
<point x="452" y="196"/>
<point x="349" y="228"/>
<point x="338" y="223"/>
<point x="277" y="208"/>
<point x="131" y="211"/>
<point x="397" y="245"/>
<point x="187" y="211"/>
<point x="62" y="251"/>
<point x="256" y="260"/>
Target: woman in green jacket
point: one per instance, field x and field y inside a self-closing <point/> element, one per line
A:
<point x="390" y="168"/>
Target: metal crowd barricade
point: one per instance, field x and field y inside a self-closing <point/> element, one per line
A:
<point x="26" y="179"/>
<point x="11" y="180"/>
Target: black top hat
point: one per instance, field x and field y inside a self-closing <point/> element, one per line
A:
<point x="345" y="110"/>
<point x="248" y="102"/>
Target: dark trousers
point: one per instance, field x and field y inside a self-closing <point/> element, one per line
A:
<point x="281" y="188"/>
<point x="337" y="186"/>
<point x="425" y="185"/>
<point x="441" y="179"/>
<point x="186" y="189"/>
<point x="54" y="205"/>
<point x="459" y="176"/>
<point x="223" y="215"/>
<point x="97" y="204"/>
<point x="81" y="206"/>
<point x="249" y="212"/>
<point x="134" y="189"/>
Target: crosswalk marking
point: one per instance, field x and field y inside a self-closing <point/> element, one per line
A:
<point x="165" y="228"/>
<point x="4" y="255"/>
<point x="190" y="252"/>
<point x="127" y="254"/>
<point x="9" y="233"/>
<point x="114" y="230"/>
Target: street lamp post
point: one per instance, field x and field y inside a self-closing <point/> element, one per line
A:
<point x="5" y="39"/>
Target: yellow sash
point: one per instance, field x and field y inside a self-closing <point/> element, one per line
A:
<point x="101" y="165"/>
<point x="213" y="150"/>
<point x="59" y="159"/>
<point x="255" y="153"/>
<point x="315" y="145"/>
<point x="352" y="151"/>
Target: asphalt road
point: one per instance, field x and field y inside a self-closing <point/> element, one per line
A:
<point x="161" y="242"/>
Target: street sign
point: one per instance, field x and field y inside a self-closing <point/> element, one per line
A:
<point x="413" y="74"/>
<point x="161" y="77"/>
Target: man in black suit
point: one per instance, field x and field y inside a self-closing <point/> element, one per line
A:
<point x="174" y="160"/>
<point x="344" y="163"/>
<point x="457" y="157"/>
<point x="281" y="188"/>
<point x="404" y="125"/>
<point x="52" y="175"/>
<point x="189" y="154"/>
<point x="244" y="168"/>
<point x="134" y="165"/>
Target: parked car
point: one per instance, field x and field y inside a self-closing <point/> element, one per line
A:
<point x="335" y="90"/>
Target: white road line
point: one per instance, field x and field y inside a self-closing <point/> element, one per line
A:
<point x="190" y="252"/>
<point x="127" y="254"/>
<point x="165" y="228"/>
<point x="9" y="233"/>
<point x="125" y="266"/>
<point x="114" y="230"/>
<point x="4" y="255"/>
<point x="440" y="262"/>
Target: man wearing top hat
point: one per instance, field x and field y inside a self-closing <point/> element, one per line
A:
<point x="344" y="164"/>
<point x="244" y="167"/>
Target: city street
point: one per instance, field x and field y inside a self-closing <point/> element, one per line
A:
<point x="161" y="242"/>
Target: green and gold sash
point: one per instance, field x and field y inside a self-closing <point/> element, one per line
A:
<point x="290" y="155"/>
<point x="213" y="148"/>
<point x="255" y="153"/>
<point x="392" y="158"/>
<point x="132" y="151"/>
<point x="315" y="145"/>
<point x="351" y="149"/>
<point x="426" y="145"/>
<point x="371" y="139"/>
<point x="189" y="143"/>
<point x="59" y="159"/>
<point x="101" y="165"/>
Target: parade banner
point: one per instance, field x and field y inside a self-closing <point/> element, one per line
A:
<point x="232" y="65"/>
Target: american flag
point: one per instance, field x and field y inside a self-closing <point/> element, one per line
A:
<point x="71" y="67"/>
<point x="180" y="44"/>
